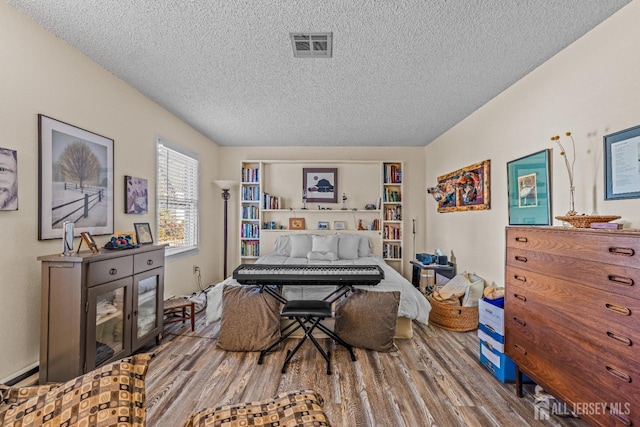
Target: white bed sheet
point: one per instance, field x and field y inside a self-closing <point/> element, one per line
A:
<point x="413" y="304"/>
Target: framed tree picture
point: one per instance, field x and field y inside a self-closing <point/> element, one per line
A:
<point x="76" y="180"/>
<point x="528" y="181"/>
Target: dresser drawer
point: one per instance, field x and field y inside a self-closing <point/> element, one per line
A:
<point x="580" y="390"/>
<point x="608" y="277"/>
<point x="147" y="261"/>
<point x="617" y="248"/>
<point x="108" y="270"/>
<point x="613" y="321"/>
<point x="591" y="364"/>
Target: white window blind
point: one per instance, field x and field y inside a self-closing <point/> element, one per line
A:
<point x="177" y="197"/>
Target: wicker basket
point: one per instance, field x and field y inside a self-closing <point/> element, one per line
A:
<point x="452" y="317"/>
<point x="584" y="221"/>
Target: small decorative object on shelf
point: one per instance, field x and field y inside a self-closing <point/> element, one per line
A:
<point x="572" y="217"/>
<point x="344" y="201"/>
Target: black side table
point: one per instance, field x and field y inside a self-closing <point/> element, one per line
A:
<point x="448" y="271"/>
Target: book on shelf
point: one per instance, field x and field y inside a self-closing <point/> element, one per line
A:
<point x="607" y="225"/>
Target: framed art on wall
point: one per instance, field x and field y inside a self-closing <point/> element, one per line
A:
<point x="75" y="179"/>
<point x="622" y="164"/>
<point x="296" y="223"/>
<point x="136" y="195"/>
<point x="465" y="189"/>
<point x="529" y="189"/>
<point x="8" y="179"/>
<point x="320" y="185"/>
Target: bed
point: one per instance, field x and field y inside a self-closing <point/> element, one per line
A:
<point x="336" y="249"/>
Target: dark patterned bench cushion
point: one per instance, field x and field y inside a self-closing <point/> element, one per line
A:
<point x="302" y="408"/>
<point x="112" y="395"/>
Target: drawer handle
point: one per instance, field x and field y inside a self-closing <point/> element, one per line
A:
<point x="520" y="349"/>
<point x="521" y="258"/>
<point x="149" y="262"/>
<point x="621" y="279"/>
<point x="622" y="251"/>
<point x="490" y="328"/>
<point x="520" y="321"/>
<point x="624" y="340"/>
<point x="520" y="297"/>
<point x="618" y="309"/>
<point x="618" y="416"/>
<point x="522" y="239"/>
<point x="618" y="374"/>
<point x="520" y="278"/>
<point x="490" y="367"/>
<point x="113" y="271"/>
<point x="488" y="345"/>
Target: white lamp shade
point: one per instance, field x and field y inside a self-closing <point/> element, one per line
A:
<point x="225" y="184"/>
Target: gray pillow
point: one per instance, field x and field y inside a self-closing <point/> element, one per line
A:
<point x="300" y="245"/>
<point x="348" y="245"/>
<point x="250" y="319"/>
<point x="283" y="245"/>
<point x="367" y="319"/>
<point x="364" y="249"/>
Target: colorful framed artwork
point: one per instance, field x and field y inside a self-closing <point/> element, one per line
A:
<point x="76" y="180"/>
<point x="323" y="225"/>
<point x="320" y="185"/>
<point x="622" y="164"/>
<point x="465" y="189"/>
<point x="136" y="195"/>
<point x="8" y="179"/>
<point x="529" y="189"/>
<point x="296" y="223"/>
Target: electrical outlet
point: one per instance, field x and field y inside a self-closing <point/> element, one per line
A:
<point x="196" y="269"/>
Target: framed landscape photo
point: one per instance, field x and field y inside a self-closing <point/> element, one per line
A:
<point x="529" y="189"/>
<point x="75" y="180"/>
<point x="320" y="185"/>
<point x="622" y="164"/>
<point x="143" y="233"/>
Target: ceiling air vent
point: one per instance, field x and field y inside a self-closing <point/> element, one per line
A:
<point x="311" y="45"/>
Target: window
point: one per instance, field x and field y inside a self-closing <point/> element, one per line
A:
<point x="177" y="197"/>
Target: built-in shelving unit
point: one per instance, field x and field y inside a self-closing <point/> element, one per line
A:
<point x="392" y="212"/>
<point x="271" y="194"/>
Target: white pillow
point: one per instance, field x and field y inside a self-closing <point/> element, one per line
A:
<point x="322" y="256"/>
<point x="364" y="249"/>
<point x="300" y="245"/>
<point x="474" y="291"/>
<point x="283" y="245"/>
<point x="324" y="244"/>
<point x="348" y="245"/>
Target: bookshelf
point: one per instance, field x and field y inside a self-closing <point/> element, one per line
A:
<point x="271" y="193"/>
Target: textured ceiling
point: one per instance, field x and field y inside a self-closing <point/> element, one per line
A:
<point x="402" y="72"/>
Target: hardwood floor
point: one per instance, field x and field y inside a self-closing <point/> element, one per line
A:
<point x="434" y="378"/>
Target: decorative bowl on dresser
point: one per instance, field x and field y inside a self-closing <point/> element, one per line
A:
<point x="572" y="317"/>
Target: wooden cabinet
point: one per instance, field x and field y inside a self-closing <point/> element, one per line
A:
<point x="97" y="308"/>
<point x="572" y="317"/>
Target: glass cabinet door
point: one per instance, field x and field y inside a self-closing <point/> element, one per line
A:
<point x="147" y="308"/>
<point x="108" y="323"/>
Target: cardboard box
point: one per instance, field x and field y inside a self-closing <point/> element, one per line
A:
<point x="491" y="317"/>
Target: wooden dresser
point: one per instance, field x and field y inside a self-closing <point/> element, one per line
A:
<point x="572" y="317"/>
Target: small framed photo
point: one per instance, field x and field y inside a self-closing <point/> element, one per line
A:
<point x="296" y="223"/>
<point x="88" y="240"/>
<point x="143" y="233"/>
<point x="323" y="225"/>
<point x="339" y="225"/>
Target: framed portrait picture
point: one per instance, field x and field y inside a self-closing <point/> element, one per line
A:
<point x="296" y="223"/>
<point x="76" y="180"/>
<point x="135" y="195"/>
<point x="323" y="225"/>
<point x="8" y="179"/>
<point x="622" y="164"/>
<point x="529" y="189"/>
<point x="339" y="225"/>
<point x="320" y="185"/>
<point x="143" y="233"/>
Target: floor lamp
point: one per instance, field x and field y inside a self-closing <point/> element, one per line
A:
<point x="225" y="185"/>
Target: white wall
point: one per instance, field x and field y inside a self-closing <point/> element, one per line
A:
<point x="40" y="74"/>
<point x="590" y="89"/>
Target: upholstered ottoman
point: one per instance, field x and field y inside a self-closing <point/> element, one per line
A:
<point x="302" y="408"/>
